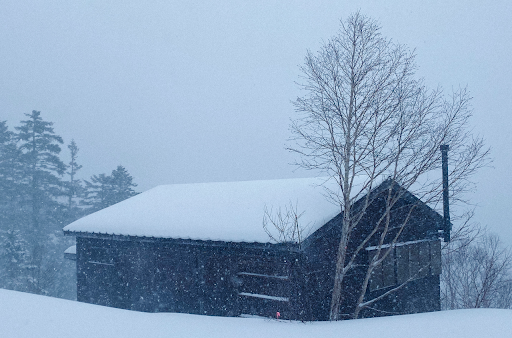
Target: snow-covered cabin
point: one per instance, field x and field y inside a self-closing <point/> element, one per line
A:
<point x="201" y="248"/>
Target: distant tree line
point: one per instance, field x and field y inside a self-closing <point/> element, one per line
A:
<point x="39" y="195"/>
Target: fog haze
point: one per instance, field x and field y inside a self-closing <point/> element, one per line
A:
<point x="201" y="91"/>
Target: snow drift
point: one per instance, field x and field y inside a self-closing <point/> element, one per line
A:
<point x="26" y="315"/>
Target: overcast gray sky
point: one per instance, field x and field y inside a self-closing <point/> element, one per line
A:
<point x="197" y="91"/>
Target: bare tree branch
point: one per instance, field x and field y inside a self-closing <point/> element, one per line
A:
<point x="477" y="274"/>
<point x="284" y="221"/>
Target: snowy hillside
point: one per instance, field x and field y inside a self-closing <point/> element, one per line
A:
<point x="26" y="315"/>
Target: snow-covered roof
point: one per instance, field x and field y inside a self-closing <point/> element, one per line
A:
<point x="222" y="211"/>
<point x="70" y="253"/>
<point x="71" y="250"/>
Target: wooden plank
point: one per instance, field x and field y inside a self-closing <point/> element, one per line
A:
<point x="402" y="263"/>
<point x="435" y="257"/>
<point x="388" y="268"/>
<point x="267" y="286"/>
<point x="262" y="296"/>
<point x="424" y="259"/>
<point x="376" y="276"/>
<point x="264" y="266"/>
<point x="263" y="276"/>
<point x="414" y="261"/>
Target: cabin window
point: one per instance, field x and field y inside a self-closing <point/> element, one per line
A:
<point x="405" y="261"/>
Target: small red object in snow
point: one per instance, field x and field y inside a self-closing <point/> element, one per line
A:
<point x="278" y="314"/>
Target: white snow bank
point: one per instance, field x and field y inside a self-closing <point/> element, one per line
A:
<point x="25" y="315"/>
<point x="225" y="211"/>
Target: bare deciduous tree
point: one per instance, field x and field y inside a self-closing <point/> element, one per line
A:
<point x="464" y="233"/>
<point x="477" y="275"/>
<point x="282" y="225"/>
<point x="363" y="118"/>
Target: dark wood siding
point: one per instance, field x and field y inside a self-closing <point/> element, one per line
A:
<point x="422" y="224"/>
<point x="406" y="261"/>
<point x="220" y="280"/>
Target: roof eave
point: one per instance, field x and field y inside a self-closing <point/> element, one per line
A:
<point x="292" y="247"/>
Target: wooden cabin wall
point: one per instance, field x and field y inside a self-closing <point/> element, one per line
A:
<point x="420" y="295"/>
<point x="95" y="272"/>
<point x="320" y="257"/>
<point x="420" y="222"/>
<point x="321" y="250"/>
<point x="270" y="282"/>
<point x="189" y="277"/>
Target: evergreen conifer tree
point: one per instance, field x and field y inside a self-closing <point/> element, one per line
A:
<point x="7" y="154"/>
<point x="42" y="171"/>
<point x="42" y="167"/>
<point x="13" y="247"/>
<point x="96" y="192"/>
<point x="15" y="260"/>
<point x="122" y="185"/>
<point x="105" y="190"/>
<point x="10" y="170"/>
<point x="74" y="185"/>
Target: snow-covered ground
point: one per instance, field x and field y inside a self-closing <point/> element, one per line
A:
<point x="27" y="315"/>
